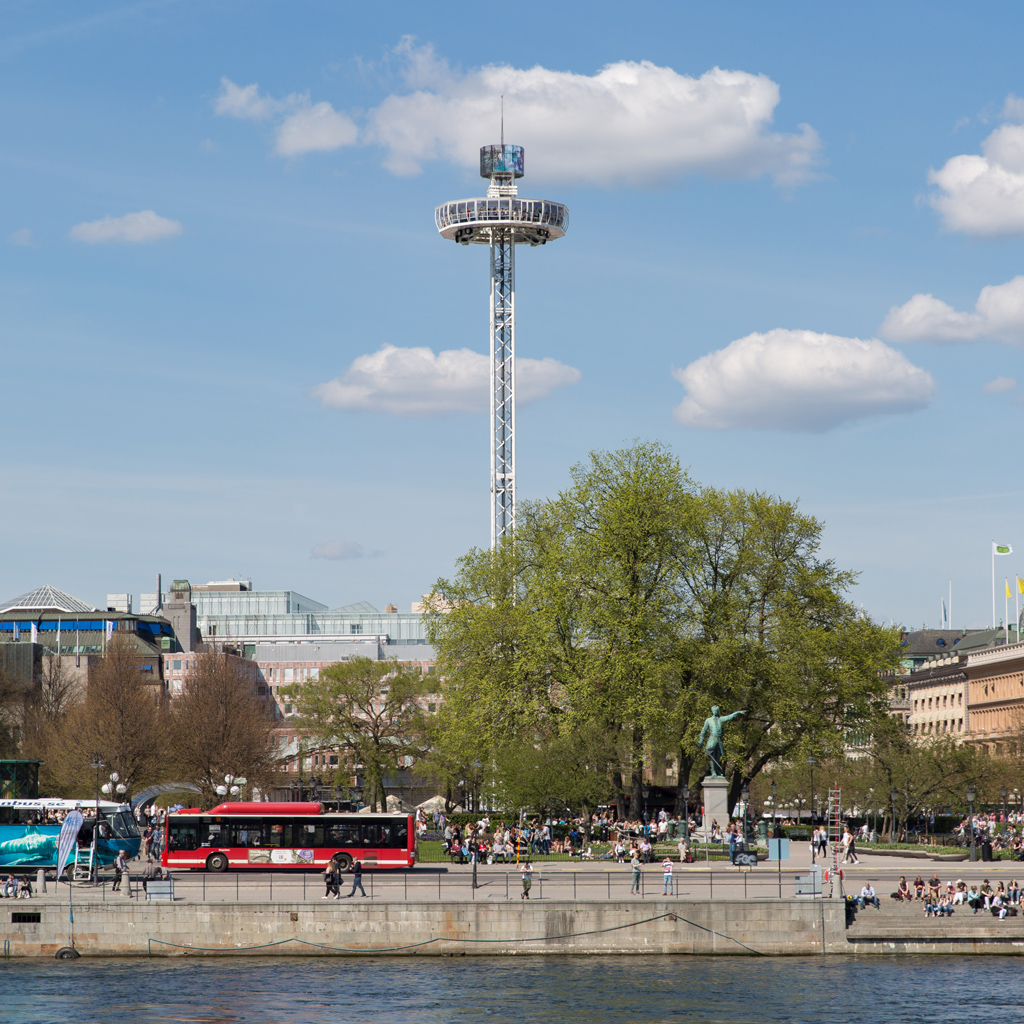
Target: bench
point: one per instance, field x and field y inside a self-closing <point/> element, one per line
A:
<point x="160" y="890"/>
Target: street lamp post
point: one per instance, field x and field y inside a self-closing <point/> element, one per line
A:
<point x="871" y="809"/>
<point x="894" y="833"/>
<point x="970" y="817"/>
<point x="775" y="795"/>
<point x="686" y="812"/>
<point x="231" y="786"/>
<point x="811" y="762"/>
<point x="745" y="797"/>
<point x="97" y="763"/>
<point x="1003" y="791"/>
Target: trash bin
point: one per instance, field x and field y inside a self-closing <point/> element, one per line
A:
<point x="986" y="850"/>
<point x="762" y="829"/>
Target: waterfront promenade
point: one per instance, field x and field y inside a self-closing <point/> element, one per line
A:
<point x="574" y="908"/>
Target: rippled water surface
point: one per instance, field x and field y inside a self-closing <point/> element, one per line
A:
<point x="633" y="990"/>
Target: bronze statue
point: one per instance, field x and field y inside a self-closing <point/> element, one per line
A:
<point x="715" y="748"/>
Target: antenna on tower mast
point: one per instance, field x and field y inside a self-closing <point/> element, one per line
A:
<point x="502" y="221"/>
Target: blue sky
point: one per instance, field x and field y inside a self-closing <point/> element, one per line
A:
<point x="778" y="268"/>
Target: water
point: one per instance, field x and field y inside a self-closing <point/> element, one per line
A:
<point x="545" y="990"/>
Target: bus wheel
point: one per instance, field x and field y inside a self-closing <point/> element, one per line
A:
<point x="217" y="862"/>
<point x="344" y="862"/>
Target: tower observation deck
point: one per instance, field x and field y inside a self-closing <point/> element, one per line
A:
<point x="502" y="221"/>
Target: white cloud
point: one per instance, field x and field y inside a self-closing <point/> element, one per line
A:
<point x="998" y="313"/>
<point x="319" y="128"/>
<point x="337" y="550"/>
<point x="984" y="195"/>
<point x="144" y="226"/>
<point x="416" y="382"/>
<point x="303" y="127"/>
<point x="798" y="380"/>
<point x="631" y="123"/>
<point x="999" y="386"/>
<point x="22" y="237"/>
<point x="245" y="101"/>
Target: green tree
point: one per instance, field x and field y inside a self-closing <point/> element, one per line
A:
<point x="367" y="710"/>
<point x="636" y="600"/>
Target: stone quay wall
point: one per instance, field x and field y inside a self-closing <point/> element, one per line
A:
<point x="137" y="928"/>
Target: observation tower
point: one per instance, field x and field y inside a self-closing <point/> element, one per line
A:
<point x="502" y="220"/>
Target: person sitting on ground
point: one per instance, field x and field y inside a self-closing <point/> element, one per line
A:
<point x="24" y="888"/>
<point x="903" y="890"/>
<point x="10" y="889"/>
<point x="867" y="895"/>
<point x="945" y="906"/>
<point x="1013" y="891"/>
<point x="934" y="886"/>
<point x="999" y="906"/>
<point x="986" y="892"/>
<point x="919" y="888"/>
<point x="960" y="895"/>
<point x="974" y="899"/>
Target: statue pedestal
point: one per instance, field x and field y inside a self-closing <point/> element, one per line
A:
<point x="716" y="804"/>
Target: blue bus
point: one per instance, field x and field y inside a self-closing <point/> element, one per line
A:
<point x="29" y="830"/>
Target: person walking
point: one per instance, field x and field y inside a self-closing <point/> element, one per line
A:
<point x="332" y="881"/>
<point x="634" y="863"/>
<point x="357" y="879"/>
<point x="527" y="872"/>
<point x="120" y="869"/>
<point x="666" y="888"/>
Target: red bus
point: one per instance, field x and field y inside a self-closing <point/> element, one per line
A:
<point x="283" y="835"/>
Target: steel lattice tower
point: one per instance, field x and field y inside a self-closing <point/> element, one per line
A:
<point x="502" y="220"/>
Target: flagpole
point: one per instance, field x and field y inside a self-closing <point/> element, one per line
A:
<point x="993" y="584"/>
<point x="1016" y="607"/>
<point x="950" y="604"/>
<point x="1006" y="608"/>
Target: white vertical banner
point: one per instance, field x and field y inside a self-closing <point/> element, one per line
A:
<point x="35" y="633"/>
<point x="67" y="839"/>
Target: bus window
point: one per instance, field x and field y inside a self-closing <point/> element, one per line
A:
<point x="342" y="833"/>
<point x="370" y="833"/>
<point x="217" y="834"/>
<point x="184" y="835"/>
<point x="277" y="833"/>
<point x="400" y="834"/>
<point x="247" y="833"/>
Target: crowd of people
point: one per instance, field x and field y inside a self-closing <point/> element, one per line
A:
<point x="939" y="899"/>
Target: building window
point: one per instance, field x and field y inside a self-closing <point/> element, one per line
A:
<point x="289" y="675"/>
<point x="314" y="673"/>
<point x="333" y="759"/>
<point x="287" y="709"/>
<point x="176" y="665"/>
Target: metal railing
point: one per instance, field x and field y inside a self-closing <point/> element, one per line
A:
<point x="491" y="883"/>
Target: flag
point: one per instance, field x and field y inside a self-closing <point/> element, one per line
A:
<point x="17" y="632"/>
<point x="58" y="634"/>
<point x="110" y="629"/>
<point x="1001" y="549"/>
<point x="945" y="612"/>
<point x="67" y="839"/>
<point x="1020" y="585"/>
<point x="1007" y="582"/>
<point x="35" y="633"/>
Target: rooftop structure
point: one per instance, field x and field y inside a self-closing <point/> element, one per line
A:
<point x="502" y="221"/>
<point x="46" y="599"/>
